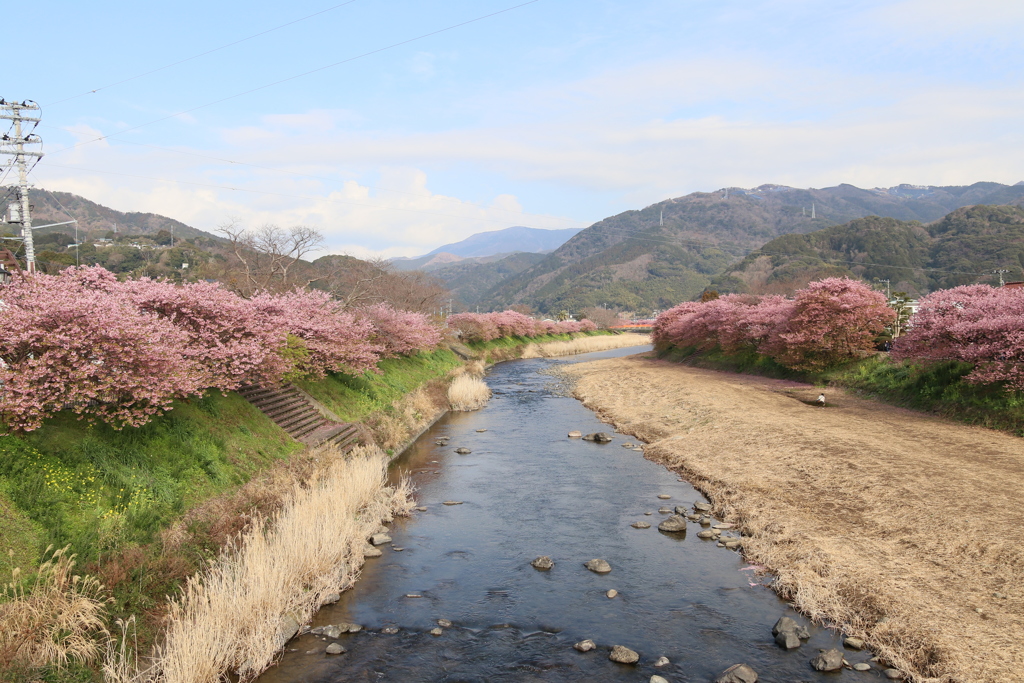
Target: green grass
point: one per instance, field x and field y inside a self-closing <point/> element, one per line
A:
<point x="936" y="387"/>
<point x="98" y="489"/>
<point x="354" y="397"/>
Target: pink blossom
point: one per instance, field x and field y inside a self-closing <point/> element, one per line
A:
<point x="975" y="324"/>
<point x="70" y="345"/>
<point x="334" y="339"/>
<point x="400" y="332"/>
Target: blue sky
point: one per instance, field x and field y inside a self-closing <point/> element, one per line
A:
<point x="554" y="114"/>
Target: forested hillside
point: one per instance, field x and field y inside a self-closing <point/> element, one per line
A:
<point x="966" y="246"/>
<point x="670" y="251"/>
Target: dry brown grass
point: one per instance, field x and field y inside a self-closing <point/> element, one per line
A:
<point x="467" y="392"/>
<point x="236" y="614"/>
<point x="393" y="430"/>
<point x="585" y="345"/>
<point x="59" y="619"/>
<point x="895" y="526"/>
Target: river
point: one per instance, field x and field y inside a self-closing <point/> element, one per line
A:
<point x="527" y="490"/>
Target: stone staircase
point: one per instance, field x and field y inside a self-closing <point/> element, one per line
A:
<point x="292" y="411"/>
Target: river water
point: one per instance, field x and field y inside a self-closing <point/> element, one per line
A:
<point x="527" y="490"/>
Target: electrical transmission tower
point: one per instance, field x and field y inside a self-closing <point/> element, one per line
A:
<point x="12" y="144"/>
<point x="1001" y="272"/>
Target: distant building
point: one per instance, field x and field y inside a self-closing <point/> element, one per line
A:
<point x="1014" y="285"/>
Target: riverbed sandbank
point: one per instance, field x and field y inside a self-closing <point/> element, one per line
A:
<point x="898" y="527"/>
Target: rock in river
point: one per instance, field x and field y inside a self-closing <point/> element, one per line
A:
<point x="708" y="534"/>
<point x="598" y="437"/>
<point x="444" y="623"/>
<point x="828" y="660"/>
<point x="664" y="496"/>
<point x="623" y="655"/>
<point x="575" y="434"/>
<point x="658" y="679"/>
<point x="640" y="525"/>
<point x="452" y="502"/>
<point x="611" y="594"/>
<point x="463" y="451"/>
<point x="673" y="523"/>
<point x="787" y="640"/>
<point x="370" y="551"/>
<point x="380" y="539"/>
<point x="598" y="566"/>
<point x="854" y="643"/>
<point x="436" y="631"/>
<point x="662" y="661"/>
<point x="786" y="624"/>
<point x="543" y="562"/>
<point x="703" y="507"/>
<point x="737" y="673"/>
<point x="335" y="649"/>
<point x="585" y="645"/>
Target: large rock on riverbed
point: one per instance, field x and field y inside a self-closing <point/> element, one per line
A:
<point x="675" y="524"/>
<point x="598" y="566"/>
<point x="828" y="660"/>
<point x="585" y="645"/>
<point x="598" y="437"/>
<point x="623" y="655"/>
<point x="737" y="673"/>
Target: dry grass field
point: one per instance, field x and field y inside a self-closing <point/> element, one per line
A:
<point x="233" y="617"/>
<point x="898" y="527"/>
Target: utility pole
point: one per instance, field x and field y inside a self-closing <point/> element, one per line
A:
<point x="14" y="146"/>
<point x="888" y="296"/>
<point x="1000" y="272"/>
<point x="813" y="212"/>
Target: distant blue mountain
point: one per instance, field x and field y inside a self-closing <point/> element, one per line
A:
<point x="517" y="238"/>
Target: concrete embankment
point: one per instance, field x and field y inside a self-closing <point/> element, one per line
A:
<point x="893" y="525"/>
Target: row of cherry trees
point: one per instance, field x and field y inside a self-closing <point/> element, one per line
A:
<point x="476" y="327"/>
<point x="837" y="320"/>
<point x="829" y="322"/>
<point x="122" y="351"/>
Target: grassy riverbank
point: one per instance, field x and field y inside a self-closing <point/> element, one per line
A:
<point x="938" y="388"/>
<point x="146" y="508"/>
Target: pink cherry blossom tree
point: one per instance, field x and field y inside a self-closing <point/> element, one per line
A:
<point x="333" y="339"/>
<point x="399" y="332"/>
<point x="976" y="324"/>
<point x="832" y="321"/>
<point x="69" y="344"/>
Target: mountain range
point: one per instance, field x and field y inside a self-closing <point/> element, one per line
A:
<point x="671" y="251"/>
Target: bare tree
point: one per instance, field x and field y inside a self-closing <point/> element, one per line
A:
<point x="269" y="257"/>
<point x="357" y="283"/>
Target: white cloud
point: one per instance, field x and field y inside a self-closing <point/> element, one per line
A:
<point x="638" y="133"/>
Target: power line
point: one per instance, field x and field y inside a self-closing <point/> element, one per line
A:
<point x="278" y="194"/>
<point x="304" y="73"/>
<point x="201" y="54"/>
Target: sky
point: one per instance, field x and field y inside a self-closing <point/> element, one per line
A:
<point x="395" y="126"/>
